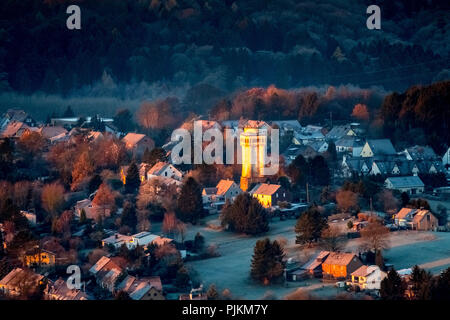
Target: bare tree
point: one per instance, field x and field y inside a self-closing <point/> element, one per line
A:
<point x="375" y="236"/>
<point x="332" y="239"/>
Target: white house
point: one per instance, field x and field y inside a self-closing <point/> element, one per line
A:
<point x="367" y="278"/>
<point x="165" y="170"/>
<point x="225" y="190"/>
<point x="410" y="185"/>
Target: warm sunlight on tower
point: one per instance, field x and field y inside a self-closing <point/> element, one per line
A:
<point x="253" y="142"/>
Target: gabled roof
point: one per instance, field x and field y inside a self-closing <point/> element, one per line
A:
<point x="349" y="141"/>
<point x="404" y="212"/>
<point x="137" y="288"/>
<point x="316" y="261"/>
<point x="62" y="292"/>
<point x="132" y="139"/>
<point x="420" y="215"/>
<point x="16" y="115"/>
<point x="405" y="182"/>
<point x="266" y="189"/>
<point x="158" y="168"/>
<point x="365" y="271"/>
<point x="381" y="147"/>
<point x="51" y="132"/>
<point x="13" y="128"/>
<point x="223" y="186"/>
<point x="340" y="259"/>
<point x="338" y="132"/>
<point x="18" y="275"/>
<point x="421" y="153"/>
<point x="209" y="191"/>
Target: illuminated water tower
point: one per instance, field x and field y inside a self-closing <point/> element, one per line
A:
<point x="253" y="141"/>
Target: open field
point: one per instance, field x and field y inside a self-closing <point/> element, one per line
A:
<point x="231" y="269"/>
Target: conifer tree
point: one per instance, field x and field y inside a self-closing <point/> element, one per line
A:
<point x="310" y="225"/>
<point x="132" y="180"/>
<point x="190" y="204"/>
<point x="392" y="287"/>
<point x="267" y="261"/>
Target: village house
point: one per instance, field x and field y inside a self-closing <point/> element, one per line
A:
<point x="293" y="151"/>
<point x="53" y="134"/>
<point x="14" y="130"/>
<point x="39" y="258"/>
<point x="139" y="239"/>
<point x="340" y="265"/>
<point x="106" y="272"/>
<point x="311" y="269"/>
<point x="14" y="282"/>
<point x="165" y="170"/>
<point x="58" y="290"/>
<point x="340" y="131"/>
<point x="225" y="190"/>
<point x="148" y="288"/>
<point x="309" y="134"/>
<point x="269" y="194"/>
<point x="287" y="126"/>
<point x="349" y="144"/>
<point x="417" y="153"/>
<point x="411" y="185"/>
<point x="319" y="146"/>
<point x="90" y="210"/>
<point x="416" y="219"/>
<point x="137" y="143"/>
<point x="15" y="115"/>
<point x="367" y="278"/>
<point x="378" y="147"/>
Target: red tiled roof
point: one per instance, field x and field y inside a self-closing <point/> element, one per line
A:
<point x="340" y="259"/>
<point x="223" y="186"/>
<point x="267" y="189"/>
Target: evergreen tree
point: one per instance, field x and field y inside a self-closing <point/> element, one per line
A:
<point x="392" y="287"/>
<point x="245" y="215"/>
<point x="320" y="173"/>
<point x="379" y="260"/>
<point x="332" y="151"/>
<point x="6" y="158"/>
<point x="132" y="180"/>
<point x="154" y="156"/>
<point x="310" y="225"/>
<point x="123" y="120"/>
<point x="68" y="113"/>
<point x="298" y="170"/>
<point x="129" y="217"/>
<point x="94" y="183"/>
<point x="405" y="199"/>
<point x="267" y="261"/>
<point x="182" y="278"/>
<point x="190" y="204"/>
<point x="441" y="291"/>
<point x="421" y="281"/>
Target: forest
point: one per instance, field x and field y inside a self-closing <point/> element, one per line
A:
<point x="127" y="47"/>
